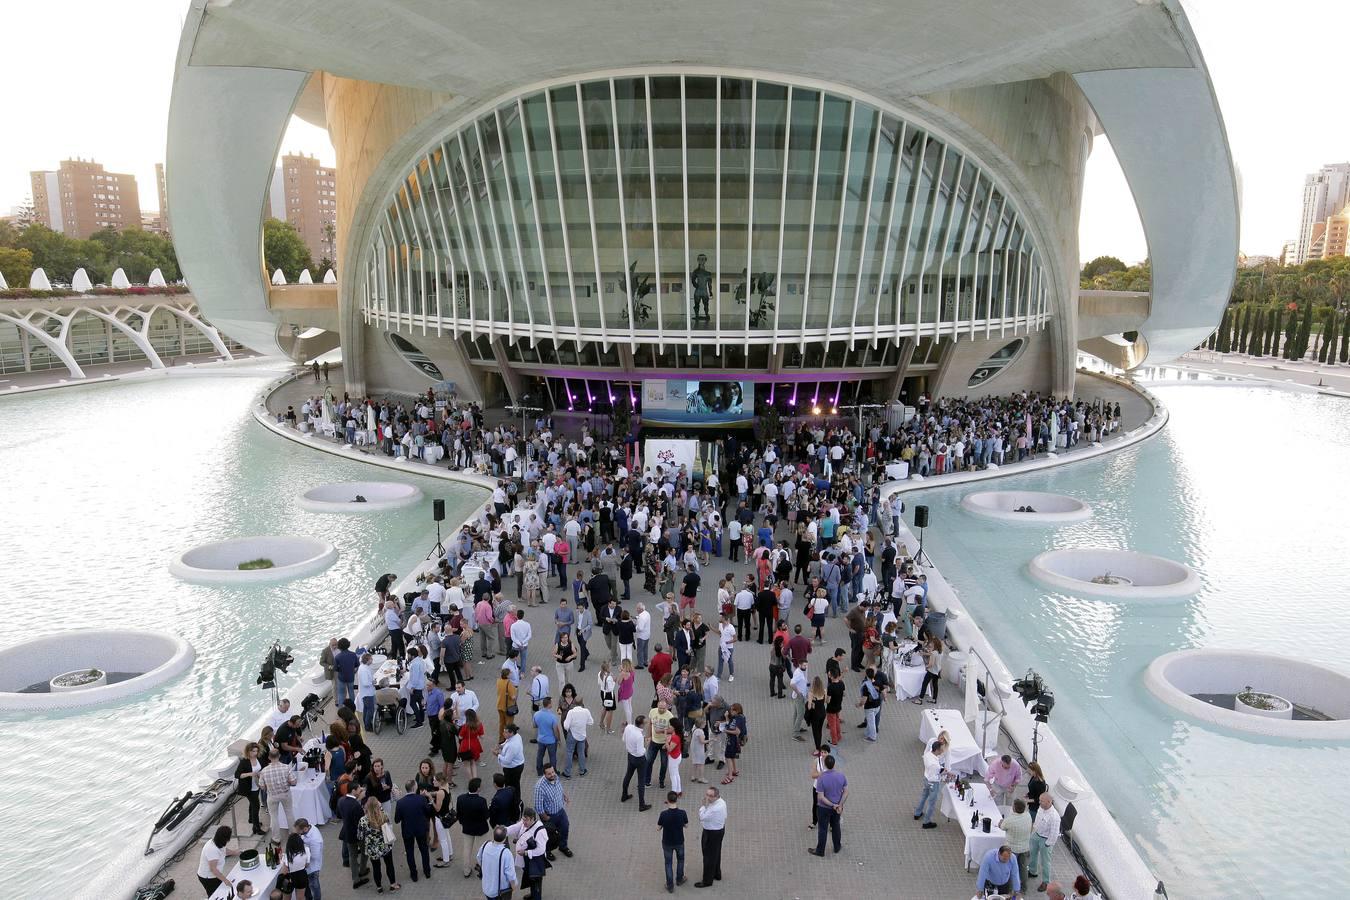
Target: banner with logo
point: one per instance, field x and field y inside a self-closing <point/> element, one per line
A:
<point x="669" y="453"/>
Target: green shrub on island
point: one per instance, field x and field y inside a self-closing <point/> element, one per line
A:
<point x="258" y="563"/>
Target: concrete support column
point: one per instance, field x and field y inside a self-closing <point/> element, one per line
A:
<point x="510" y="377"/>
<point x="893" y="383"/>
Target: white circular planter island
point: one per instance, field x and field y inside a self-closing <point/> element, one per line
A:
<point x="1114" y="574"/>
<point x="292" y="556"/>
<point x="1046" y="508"/>
<point x="36" y="675"/>
<point x="377" y="496"/>
<point x="1182" y="678"/>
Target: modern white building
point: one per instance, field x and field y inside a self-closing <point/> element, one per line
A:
<point x="564" y="200"/>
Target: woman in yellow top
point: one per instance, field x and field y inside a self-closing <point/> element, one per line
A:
<point x="506" y="700"/>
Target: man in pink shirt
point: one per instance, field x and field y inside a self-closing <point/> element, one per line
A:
<point x="482" y="615"/>
<point x="1004" y="776"/>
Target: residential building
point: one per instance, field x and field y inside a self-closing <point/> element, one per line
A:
<point x="304" y="193"/>
<point x="1289" y="252"/>
<point x="80" y="198"/>
<point x="1325" y="193"/>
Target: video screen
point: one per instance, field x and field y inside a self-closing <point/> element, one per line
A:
<point x="698" y="402"/>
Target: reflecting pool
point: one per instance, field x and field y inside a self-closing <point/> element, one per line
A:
<point x="103" y="485"/>
<point x="1247" y="484"/>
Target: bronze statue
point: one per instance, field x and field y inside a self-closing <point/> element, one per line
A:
<point x="700" y="281"/>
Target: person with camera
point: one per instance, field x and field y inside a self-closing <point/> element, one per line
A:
<point x="531" y="843"/>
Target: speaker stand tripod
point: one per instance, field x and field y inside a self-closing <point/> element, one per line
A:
<point x="922" y="558"/>
<point x="439" y="549"/>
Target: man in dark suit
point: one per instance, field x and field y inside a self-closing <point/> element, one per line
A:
<point x="350" y="809"/>
<point x="413" y="813"/>
<point x="625" y="575"/>
<point x="600" y="588"/>
<point x="502" y="809"/>
<point x="684" y="644"/>
<point x="472" y="812"/>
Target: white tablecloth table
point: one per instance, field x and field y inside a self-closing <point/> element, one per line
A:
<point x="262" y="878"/>
<point x="897" y="471"/>
<point x="908" y="679"/>
<point x="978" y="843"/>
<point x="433" y="453"/>
<point x="309" y="800"/>
<point x="963" y="754"/>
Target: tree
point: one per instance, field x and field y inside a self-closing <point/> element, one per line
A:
<point x="1225" y="329"/>
<point x="1244" y="324"/>
<point x="1101" y="266"/>
<point x="1327" y="338"/>
<point x="16" y="265"/>
<point x="1257" y="334"/>
<point x="1304" y="331"/>
<point x="1345" y="339"/>
<point x="1290" y="332"/>
<point x="284" y="249"/>
<point x="1272" y="331"/>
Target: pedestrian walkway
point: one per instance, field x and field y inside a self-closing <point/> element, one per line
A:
<point x="618" y="853"/>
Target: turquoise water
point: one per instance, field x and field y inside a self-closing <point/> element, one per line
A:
<point x="1248" y="485"/>
<point x="103" y="486"/>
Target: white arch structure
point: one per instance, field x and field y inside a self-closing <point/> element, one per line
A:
<point x="118" y="317"/>
<point x="57" y="345"/>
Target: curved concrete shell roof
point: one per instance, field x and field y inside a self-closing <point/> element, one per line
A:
<point x="244" y="65"/>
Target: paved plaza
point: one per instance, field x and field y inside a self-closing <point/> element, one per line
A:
<point x="885" y="854"/>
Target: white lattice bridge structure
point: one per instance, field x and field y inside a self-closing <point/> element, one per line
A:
<point x="156" y="324"/>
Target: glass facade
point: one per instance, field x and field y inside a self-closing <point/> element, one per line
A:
<point x="699" y="208"/>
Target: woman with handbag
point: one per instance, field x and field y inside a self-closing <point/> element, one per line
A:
<point x="627" y="680"/>
<point x="294" y="880"/>
<point x="376" y="834"/>
<point x="247" y="774"/>
<point x="444" y="817"/>
<point x="609" y="697"/>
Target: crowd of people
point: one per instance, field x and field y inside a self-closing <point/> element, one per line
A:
<point x="575" y="546"/>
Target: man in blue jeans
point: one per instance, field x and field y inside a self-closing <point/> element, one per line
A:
<point x="550" y="734"/>
<point x="831" y="791"/>
<point x="345" y="664"/>
<point x="672" y="822"/>
<point x="933" y="772"/>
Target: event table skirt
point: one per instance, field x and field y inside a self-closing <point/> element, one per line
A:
<point x="309" y="800"/>
<point x="978" y="843"/>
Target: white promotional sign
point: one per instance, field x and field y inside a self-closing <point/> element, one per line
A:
<point x="669" y="453"/>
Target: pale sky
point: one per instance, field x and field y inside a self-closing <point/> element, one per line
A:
<point x="1281" y="93"/>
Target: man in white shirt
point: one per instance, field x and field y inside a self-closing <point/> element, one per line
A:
<point x="745" y="604"/>
<point x="742" y="486"/>
<point x="1044" y="834"/>
<point x="635" y="745"/>
<point x="712" y="815"/>
<point x="280" y="715"/>
<point x="800" y="687"/>
<point x="642" y="623"/>
<point x="314" y="844"/>
<point x="461" y="701"/>
<point x="520" y="637"/>
<point x="578" y="719"/>
<point x="934" y="768"/>
<point x="726" y="647"/>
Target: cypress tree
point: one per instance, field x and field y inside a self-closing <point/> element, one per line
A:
<point x="1272" y="331"/>
<point x="1221" y="336"/>
<point x="1345" y="339"/>
<point x="1244" y="322"/>
<point x="1258" y="340"/>
<point x="1327" y="339"/>
<point x="1304" y="332"/>
<point x="1290" y="334"/>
